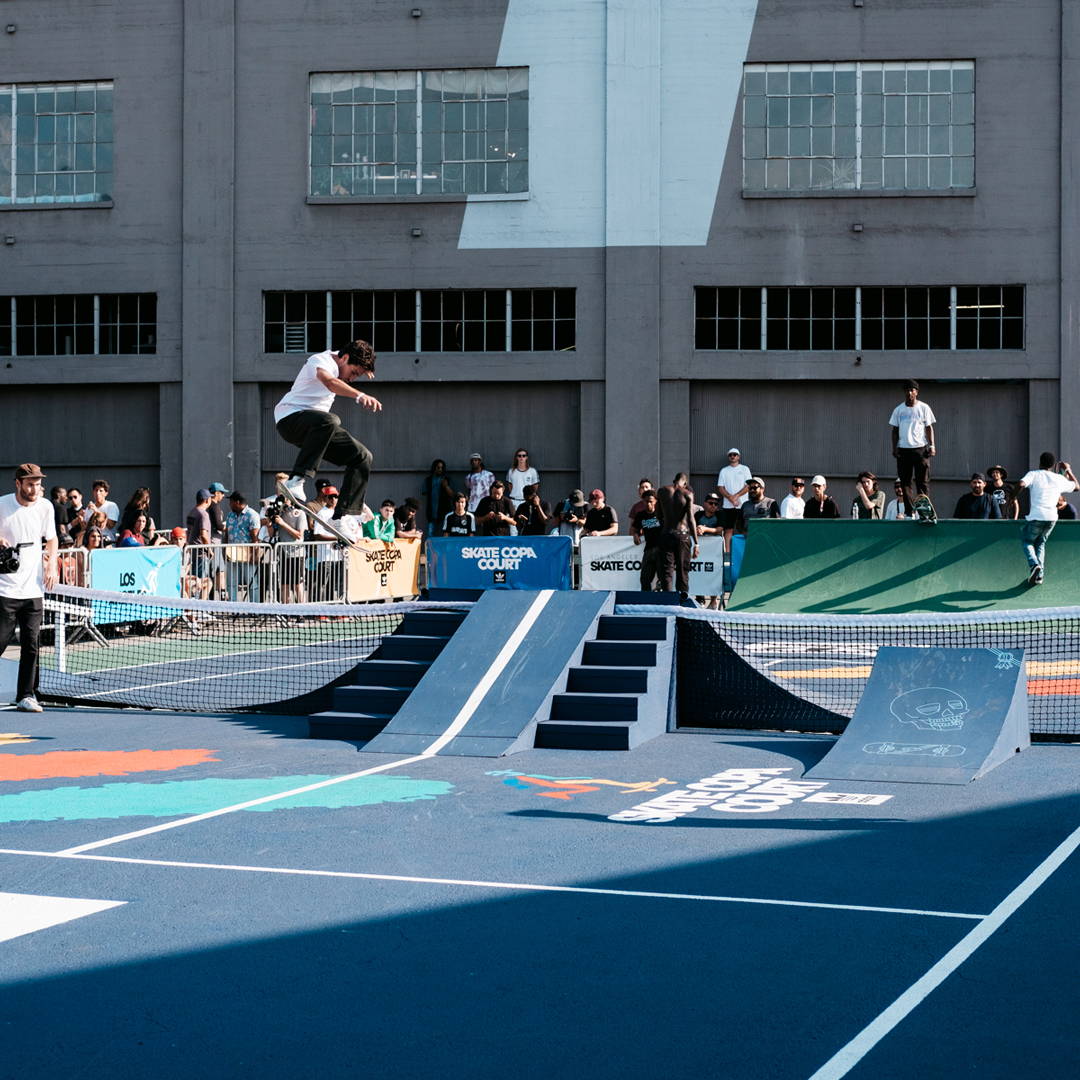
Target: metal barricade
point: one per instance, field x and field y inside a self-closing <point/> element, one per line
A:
<point x="74" y="564"/>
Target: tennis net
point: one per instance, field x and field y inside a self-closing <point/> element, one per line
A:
<point x="807" y="672"/>
<point x="101" y="648"/>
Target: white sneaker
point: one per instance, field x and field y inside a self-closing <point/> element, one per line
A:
<point x="295" y="487"/>
<point x="29" y="704"/>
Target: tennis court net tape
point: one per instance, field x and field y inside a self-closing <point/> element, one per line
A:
<point x="807" y="672"/>
<point x="208" y="656"/>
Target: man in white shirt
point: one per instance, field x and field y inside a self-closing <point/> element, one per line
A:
<point x="1044" y="484"/>
<point x="913" y="443"/>
<point x="26" y="518"/>
<point x="303" y="418"/>
<point x="99" y="500"/>
<point x="793" y="505"/>
<point x="731" y="486"/>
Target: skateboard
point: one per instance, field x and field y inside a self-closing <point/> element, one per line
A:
<point x="924" y="510"/>
<point x="316" y="522"/>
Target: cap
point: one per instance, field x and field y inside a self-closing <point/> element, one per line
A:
<point x="977" y="476"/>
<point x="797" y="480"/>
<point x="202" y="494"/>
<point x="179" y="533"/>
<point x="330" y="490"/>
<point x="911" y="384"/>
<point x="217" y="486"/>
<point x="478" y="457"/>
<point x="819" y="479"/>
<point x="1000" y="469"/>
<point x="757" y="480"/>
<point x="734" y="450"/>
<point x="713" y="496"/>
<point x="595" y="493"/>
<point x="27" y="471"/>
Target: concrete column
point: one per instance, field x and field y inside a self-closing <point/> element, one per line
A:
<point x="632" y="273"/>
<point x="1069" y="378"/>
<point x="207" y="272"/>
<point x="674" y="430"/>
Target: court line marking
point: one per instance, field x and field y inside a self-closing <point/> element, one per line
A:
<point x="512" y="886"/>
<point x="847" y="1057"/>
<point x="462" y="717"/>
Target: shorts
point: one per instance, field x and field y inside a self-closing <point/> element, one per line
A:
<point x="729" y="519"/>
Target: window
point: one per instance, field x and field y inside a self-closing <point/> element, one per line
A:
<point x="893" y="126"/>
<point x="859" y="317"/>
<point x="422" y="320"/>
<point x="56" y="143"/>
<point x="420" y="132"/>
<point x="113" y="324"/>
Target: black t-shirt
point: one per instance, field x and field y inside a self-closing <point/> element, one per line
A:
<point x="63" y="513"/>
<point x="459" y="525"/>
<point x="217" y="519"/>
<point x="650" y="525"/>
<point x="599" y="518"/>
<point x="537" y="519"/>
<point x="826" y="509"/>
<point x="403" y="522"/>
<point x="493" y="528"/>
<point x="977" y="507"/>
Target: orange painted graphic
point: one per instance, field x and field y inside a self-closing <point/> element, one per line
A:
<point x="567" y="788"/>
<point x="58" y="763"/>
<point x="7" y="737"/>
<point x="1046" y="687"/>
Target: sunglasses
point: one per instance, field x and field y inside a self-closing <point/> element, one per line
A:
<point x="521" y="455"/>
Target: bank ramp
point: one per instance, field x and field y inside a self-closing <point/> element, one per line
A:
<point x="870" y="567"/>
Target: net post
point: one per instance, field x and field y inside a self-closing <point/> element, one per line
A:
<point x="60" y="638"/>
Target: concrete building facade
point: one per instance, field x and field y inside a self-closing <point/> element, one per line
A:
<point x="760" y="215"/>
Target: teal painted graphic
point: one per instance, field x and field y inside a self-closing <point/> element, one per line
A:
<point x="181" y="797"/>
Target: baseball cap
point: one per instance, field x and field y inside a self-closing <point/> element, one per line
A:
<point x="217" y="486"/>
<point x="179" y="532"/>
<point x="27" y="471"/>
<point x="713" y="496"/>
<point x="734" y="450"/>
<point x="596" y="493"/>
<point x="757" y="480"/>
<point x="330" y="490"/>
<point x="202" y="494"/>
<point x="977" y="476"/>
<point x="479" y="457"/>
<point x="819" y="479"/>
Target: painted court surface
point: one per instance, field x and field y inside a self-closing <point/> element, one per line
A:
<point x="529" y="916"/>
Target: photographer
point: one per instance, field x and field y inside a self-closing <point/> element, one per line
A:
<point x="570" y="518"/>
<point x="283" y="529"/>
<point x="25" y="520"/>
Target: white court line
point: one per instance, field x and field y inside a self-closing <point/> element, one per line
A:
<point x="460" y="720"/>
<point x="845" y="1059"/>
<point x="513" y="886"/>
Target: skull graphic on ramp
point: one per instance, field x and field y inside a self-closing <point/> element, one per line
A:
<point x="932" y="708"/>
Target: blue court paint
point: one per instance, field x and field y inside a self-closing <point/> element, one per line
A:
<point x="200" y="796"/>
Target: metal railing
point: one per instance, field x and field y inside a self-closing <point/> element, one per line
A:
<point x="301" y="572"/>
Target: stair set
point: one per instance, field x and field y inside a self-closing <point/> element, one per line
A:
<point x="613" y="691"/>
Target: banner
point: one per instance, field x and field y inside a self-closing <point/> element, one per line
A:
<point x="614" y="563"/>
<point x="146" y="571"/>
<point x="499" y="562"/>
<point x="382" y="571"/>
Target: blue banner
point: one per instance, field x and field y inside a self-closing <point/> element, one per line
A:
<point x="140" y="571"/>
<point x="499" y="562"/>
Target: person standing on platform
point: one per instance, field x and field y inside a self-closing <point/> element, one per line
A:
<point x="914" y="443"/>
<point x="26" y="518"/>
<point x="303" y="418"/>
<point x="731" y="486"/>
<point x="478" y="481"/>
<point x="519" y="476"/>
<point x="1045" y="484"/>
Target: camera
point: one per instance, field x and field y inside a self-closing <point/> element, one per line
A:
<point x="276" y="509"/>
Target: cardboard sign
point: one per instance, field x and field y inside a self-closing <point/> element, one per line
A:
<point x="382" y="571"/>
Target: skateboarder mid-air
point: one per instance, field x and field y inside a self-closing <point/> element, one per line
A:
<point x="304" y="419"/>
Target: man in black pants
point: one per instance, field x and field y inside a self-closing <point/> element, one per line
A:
<point x="303" y="418"/>
<point x="679" y="542"/>
<point x="914" y="443"/>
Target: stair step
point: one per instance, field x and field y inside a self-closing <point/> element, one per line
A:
<point x="347" y="725"/>
<point x="595" y="708"/>
<point x="411" y="647"/>
<point x="603" y="680"/>
<point x="432" y="623"/>
<point x="375" y="699"/>
<point x="389" y="672"/>
<point x="632" y="628"/>
<point x="619" y="653"/>
<point x="562" y="735"/>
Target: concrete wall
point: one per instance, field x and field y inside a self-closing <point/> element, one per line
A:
<point x="210" y="211"/>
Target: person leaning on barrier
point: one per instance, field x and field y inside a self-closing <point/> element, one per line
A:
<point x="869" y="502"/>
<point x="977" y="504"/>
<point x="601" y="519"/>
<point x="643" y="485"/>
<point x="191" y="586"/>
<point x="459" y="522"/>
<point x="382" y="526"/>
<point x="820" y="503"/>
<point x="495" y="513"/>
<point x="894" y="511"/>
<point x="533" y="516"/>
<point x="26" y="518"/>
<point x="708" y="517"/>
<point x="757" y="505"/>
<point x="406" y="526"/>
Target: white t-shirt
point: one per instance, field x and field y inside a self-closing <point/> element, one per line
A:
<point x="25" y="525"/>
<point x="912" y="420"/>
<point x="895" y="510"/>
<point x="1044" y="488"/>
<point x="731" y="478"/>
<point x="792" y="507"/>
<point x="326" y="552"/>
<point x="518" y="479"/>
<point x="111" y="512"/>
<point x="306" y="391"/>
